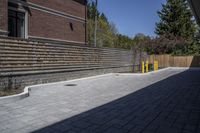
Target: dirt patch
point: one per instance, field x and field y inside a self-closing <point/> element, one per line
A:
<point x="10" y="92"/>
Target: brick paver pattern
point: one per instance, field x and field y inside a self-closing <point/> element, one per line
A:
<point x="163" y="102"/>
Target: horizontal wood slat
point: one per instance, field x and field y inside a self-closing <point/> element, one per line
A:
<point x="175" y="61"/>
<point x="35" y="57"/>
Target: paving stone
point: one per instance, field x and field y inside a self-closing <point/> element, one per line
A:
<point x="164" y="102"/>
<point x="190" y="127"/>
<point x="115" y="130"/>
<point x="136" y="130"/>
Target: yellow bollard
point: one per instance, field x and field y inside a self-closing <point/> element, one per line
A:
<point x="142" y="66"/>
<point x="155" y="65"/>
<point x="147" y="66"/>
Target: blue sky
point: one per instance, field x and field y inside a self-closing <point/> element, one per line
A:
<point x="132" y="16"/>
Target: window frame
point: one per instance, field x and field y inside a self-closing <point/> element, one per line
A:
<point x="25" y="19"/>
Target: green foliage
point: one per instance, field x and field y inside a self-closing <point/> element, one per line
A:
<point x="176" y="19"/>
<point x="165" y="45"/>
<point x="91" y="10"/>
<point x="139" y="41"/>
<point x="123" y="42"/>
<point x="107" y="34"/>
<point x="176" y="24"/>
<point x="171" y="45"/>
<point x="194" y="49"/>
<point x="106" y="31"/>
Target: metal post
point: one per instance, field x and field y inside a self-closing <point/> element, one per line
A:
<point x="143" y="67"/>
<point x="95" y="29"/>
<point x="155" y="65"/>
<point x="147" y="66"/>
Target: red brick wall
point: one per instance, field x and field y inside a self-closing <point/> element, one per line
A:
<point x="3" y="15"/>
<point x="67" y="6"/>
<point x="46" y="25"/>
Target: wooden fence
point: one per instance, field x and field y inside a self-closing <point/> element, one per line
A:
<point x="175" y="61"/>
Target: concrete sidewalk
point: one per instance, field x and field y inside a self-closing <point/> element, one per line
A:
<point x="162" y="102"/>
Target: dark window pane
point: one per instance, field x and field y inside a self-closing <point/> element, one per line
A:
<point x="16" y="24"/>
<point x="11" y="13"/>
<point x="12" y="27"/>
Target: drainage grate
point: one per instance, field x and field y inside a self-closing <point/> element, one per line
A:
<point x="71" y="85"/>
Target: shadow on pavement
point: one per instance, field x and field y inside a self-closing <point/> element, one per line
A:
<point x="168" y="106"/>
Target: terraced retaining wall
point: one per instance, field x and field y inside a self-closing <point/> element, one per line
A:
<point x="25" y="62"/>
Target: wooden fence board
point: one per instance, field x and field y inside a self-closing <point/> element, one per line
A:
<point x="175" y="61"/>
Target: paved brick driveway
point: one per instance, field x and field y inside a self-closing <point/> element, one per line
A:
<point x="165" y="102"/>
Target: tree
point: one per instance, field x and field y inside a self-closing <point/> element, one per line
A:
<point x="139" y="41"/>
<point x="106" y="31"/>
<point x="176" y="19"/>
<point x="163" y="45"/>
<point x="91" y="10"/>
<point x="103" y="17"/>
<point x="123" y="41"/>
<point x="177" y="26"/>
<point x="138" y="46"/>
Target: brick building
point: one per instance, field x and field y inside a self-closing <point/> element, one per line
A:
<point x="59" y="20"/>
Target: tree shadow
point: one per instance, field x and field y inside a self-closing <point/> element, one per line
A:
<point x="170" y="105"/>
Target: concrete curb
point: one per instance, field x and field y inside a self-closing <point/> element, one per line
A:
<point x="153" y="72"/>
<point x="73" y="80"/>
<point x="27" y="89"/>
<point x="186" y="68"/>
<point x="143" y="74"/>
<point x="13" y="98"/>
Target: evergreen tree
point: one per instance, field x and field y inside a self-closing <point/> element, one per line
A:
<point x="176" y="19"/>
<point x="106" y="31"/>
<point x="103" y="17"/>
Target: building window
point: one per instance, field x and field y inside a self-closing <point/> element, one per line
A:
<point x="16" y="24"/>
